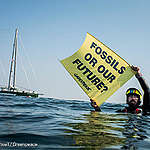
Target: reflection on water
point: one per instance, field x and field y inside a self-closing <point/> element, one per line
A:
<point x="135" y="131"/>
<point x="98" y="131"/>
<point x="105" y="130"/>
<point x="69" y="124"/>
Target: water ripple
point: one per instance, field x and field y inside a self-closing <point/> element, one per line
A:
<point x="70" y="124"/>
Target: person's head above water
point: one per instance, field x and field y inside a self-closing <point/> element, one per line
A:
<point x="133" y="100"/>
<point x="134" y="97"/>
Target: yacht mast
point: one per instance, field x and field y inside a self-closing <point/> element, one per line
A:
<point x="13" y="64"/>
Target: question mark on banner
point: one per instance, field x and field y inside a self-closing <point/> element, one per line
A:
<point x="105" y="89"/>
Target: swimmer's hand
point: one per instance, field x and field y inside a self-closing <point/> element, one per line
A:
<point x="137" y="70"/>
<point x="94" y="105"/>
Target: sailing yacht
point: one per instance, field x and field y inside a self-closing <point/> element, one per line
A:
<point x="11" y="88"/>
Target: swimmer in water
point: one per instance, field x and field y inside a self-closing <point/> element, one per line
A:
<point x="133" y="97"/>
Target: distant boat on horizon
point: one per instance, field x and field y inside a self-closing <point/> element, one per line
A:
<point x="11" y="89"/>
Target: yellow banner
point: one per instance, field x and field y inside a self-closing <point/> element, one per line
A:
<point x="97" y="69"/>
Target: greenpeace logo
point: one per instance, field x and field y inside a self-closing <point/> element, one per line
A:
<point x="82" y="82"/>
<point x="14" y="144"/>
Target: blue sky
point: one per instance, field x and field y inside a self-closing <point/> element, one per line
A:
<point x="51" y="30"/>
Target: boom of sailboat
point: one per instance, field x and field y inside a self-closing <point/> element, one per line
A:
<point x="11" y="88"/>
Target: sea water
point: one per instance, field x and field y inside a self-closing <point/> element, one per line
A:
<point x="49" y="123"/>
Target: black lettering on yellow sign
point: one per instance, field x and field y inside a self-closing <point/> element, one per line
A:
<point x="82" y="82"/>
<point x="108" y="59"/>
<point x="90" y="76"/>
<point x="101" y="69"/>
<point x="92" y="60"/>
<point x="106" y="74"/>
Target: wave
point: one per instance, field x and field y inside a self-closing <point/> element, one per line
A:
<point x="59" y="123"/>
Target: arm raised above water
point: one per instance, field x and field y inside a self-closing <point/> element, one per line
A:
<point x="145" y="87"/>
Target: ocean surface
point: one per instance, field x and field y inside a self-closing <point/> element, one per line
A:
<point x="48" y="123"/>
